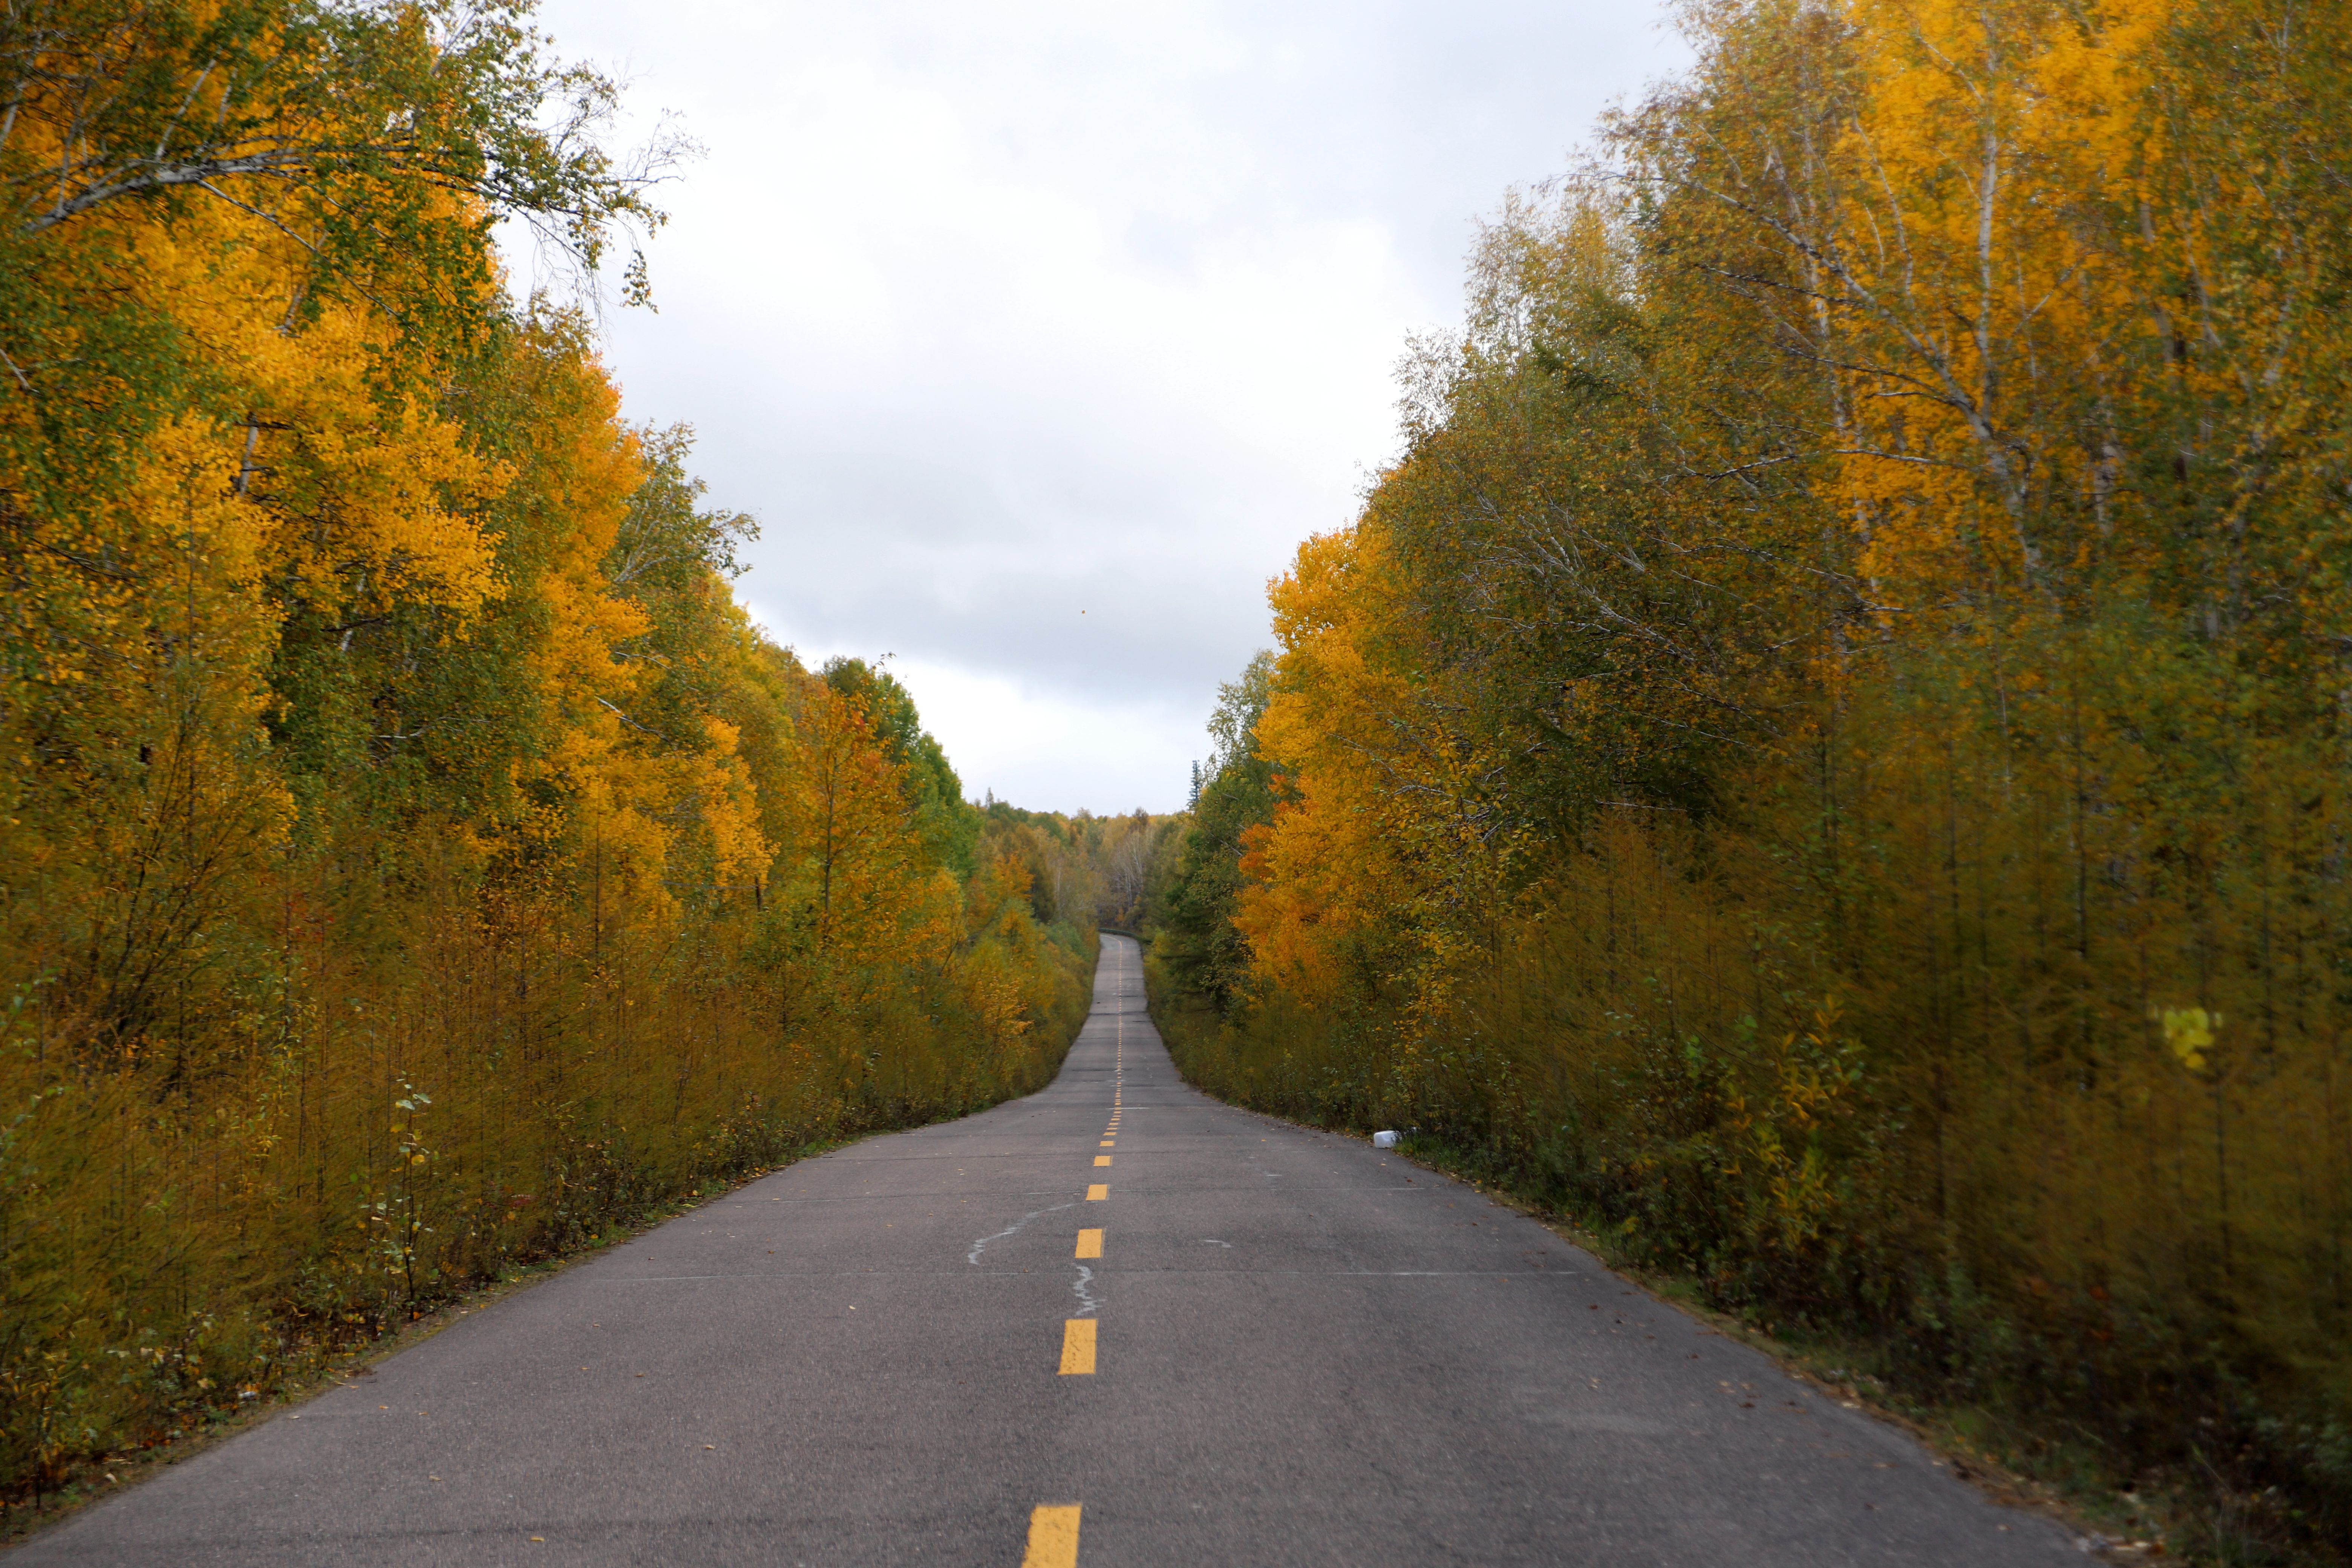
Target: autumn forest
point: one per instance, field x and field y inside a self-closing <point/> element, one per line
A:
<point x="414" y="865"/>
<point x="1821" y="761"/>
<point x="1825" y="757"/>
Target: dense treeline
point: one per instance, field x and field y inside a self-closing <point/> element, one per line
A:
<point x="1092" y="871"/>
<point x="1825" y="757"/>
<point x="412" y="859"/>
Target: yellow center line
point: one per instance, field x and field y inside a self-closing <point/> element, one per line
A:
<point x="1096" y="1193"/>
<point x="1106" y="1143"/>
<point x="1052" y="1537"/>
<point x="1102" y="1159"/>
<point x="1089" y="1243"/>
<point x="1078" y="1347"/>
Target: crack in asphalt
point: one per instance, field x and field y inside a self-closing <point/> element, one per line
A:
<point x="972" y="1257"/>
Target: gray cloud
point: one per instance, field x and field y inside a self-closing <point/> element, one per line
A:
<point x="997" y="313"/>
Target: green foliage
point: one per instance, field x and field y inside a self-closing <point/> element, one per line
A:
<point x="1824" y="757"/>
<point x="367" y="117"/>
<point x="948" y="825"/>
<point x="412" y="860"/>
<point x="1196" y="941"/>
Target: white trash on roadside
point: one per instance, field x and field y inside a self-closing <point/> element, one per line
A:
<point x="1384" y="1140"/>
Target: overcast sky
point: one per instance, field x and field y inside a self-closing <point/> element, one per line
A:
<point x="1037" y="334"/>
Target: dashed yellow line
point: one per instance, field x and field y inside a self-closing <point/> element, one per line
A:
<point x="1053" y="1527"/>
<point x="1052" y="1537"/>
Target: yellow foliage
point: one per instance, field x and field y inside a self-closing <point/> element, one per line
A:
<point x="414" y="860"/>
<point x="1853" y="640"/>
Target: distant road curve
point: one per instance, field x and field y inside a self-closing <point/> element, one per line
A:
<point x="1113" y="1324"/>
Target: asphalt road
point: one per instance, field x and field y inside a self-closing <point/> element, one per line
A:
<point x="1291" y="1349"/>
